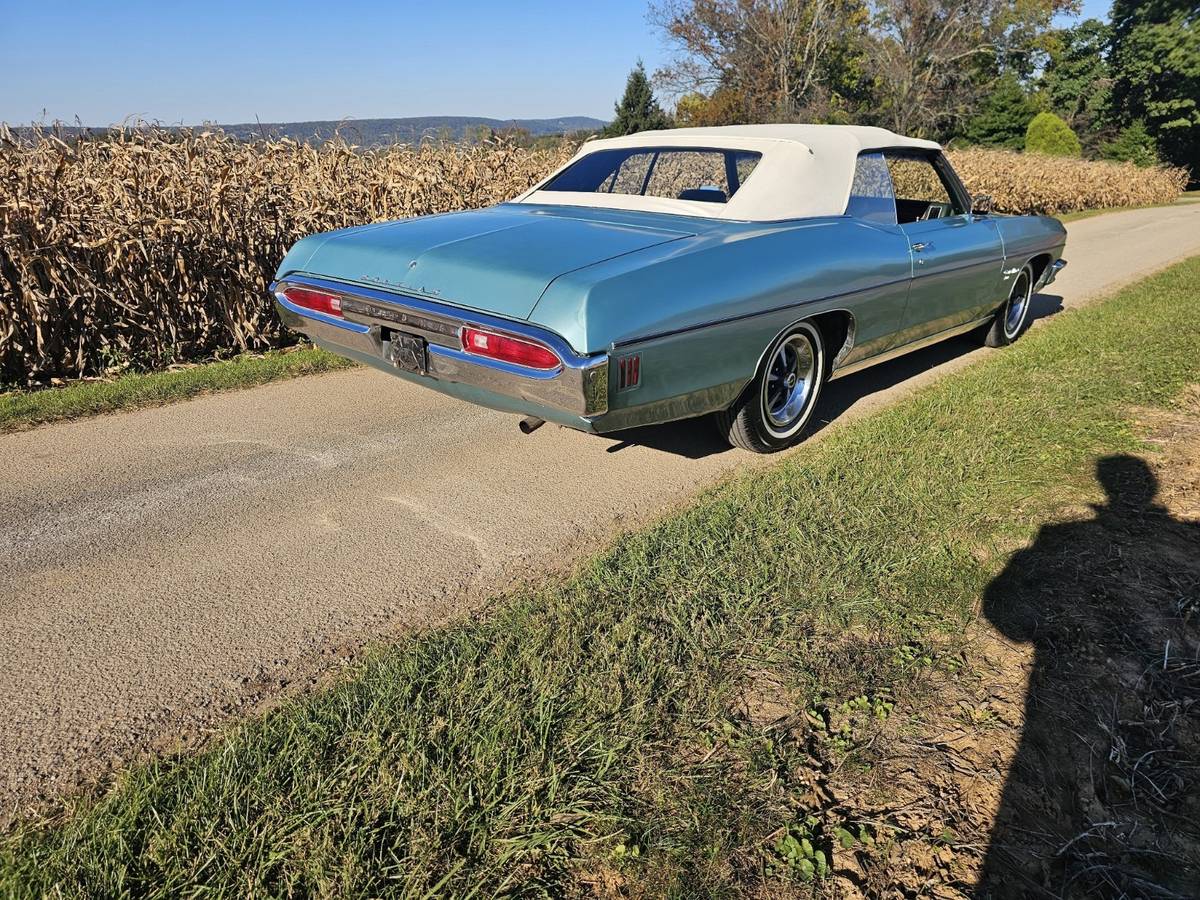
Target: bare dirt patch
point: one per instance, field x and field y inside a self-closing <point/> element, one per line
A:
<point x="1063" y="758"/>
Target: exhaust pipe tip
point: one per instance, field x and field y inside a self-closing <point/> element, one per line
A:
<point x="530" y="424"/>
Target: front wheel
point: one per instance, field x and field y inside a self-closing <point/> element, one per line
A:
<point x="1014" y="315"/>
<point x="774" y="410"/>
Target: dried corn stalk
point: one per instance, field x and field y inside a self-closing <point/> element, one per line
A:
<point x="150" y="247"/>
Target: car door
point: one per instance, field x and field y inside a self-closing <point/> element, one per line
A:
<point x="957" y="257"/>
<point x="878" y="313"/>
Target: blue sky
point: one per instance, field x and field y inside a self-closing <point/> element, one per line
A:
<point x="185" y="62"/>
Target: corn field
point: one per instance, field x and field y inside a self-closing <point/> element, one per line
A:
<point x="150" y="247"/>
<point x="1033" y="183"/>
<point x="154" y="247"/>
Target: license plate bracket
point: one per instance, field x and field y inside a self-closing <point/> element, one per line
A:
<point x="408" y="352"/>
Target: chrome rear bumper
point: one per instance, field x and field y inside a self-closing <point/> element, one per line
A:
<point x="572" y="394"/>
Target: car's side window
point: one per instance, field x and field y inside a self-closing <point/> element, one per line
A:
<point x="871" y="195"/>
<point x="921" y="191"/>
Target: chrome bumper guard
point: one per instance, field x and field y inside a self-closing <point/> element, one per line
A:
<point x="1051" y="273"/>
<point x="578" y="387"/>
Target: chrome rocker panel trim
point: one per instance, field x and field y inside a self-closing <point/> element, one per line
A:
<point x="573" y="394"/>
<point x="911" y="347"/>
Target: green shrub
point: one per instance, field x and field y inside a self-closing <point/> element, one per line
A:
<point x="1049" y="134"/>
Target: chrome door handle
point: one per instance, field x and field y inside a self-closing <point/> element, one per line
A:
<point x="922" y="245"/>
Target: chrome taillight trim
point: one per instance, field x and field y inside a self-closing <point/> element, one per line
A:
<point x="462" y="344"/>
<point x="443" y="312"/>
<point x="578" y="386"/>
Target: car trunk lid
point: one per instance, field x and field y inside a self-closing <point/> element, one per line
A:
<point x="496" y="260"/>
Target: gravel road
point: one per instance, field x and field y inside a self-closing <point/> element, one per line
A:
<point x="161" y="570"/>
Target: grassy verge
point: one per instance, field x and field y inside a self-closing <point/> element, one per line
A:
<point x="1186" y="197"/>
<point x="620" y="730"/>
<point x="23" y="409"/>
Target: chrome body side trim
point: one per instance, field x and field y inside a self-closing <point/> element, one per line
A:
<point x="642" y="339"/>
<point x="629" y="342"/>
<point x="911" y="347"/>
<point x="577" y="389"/>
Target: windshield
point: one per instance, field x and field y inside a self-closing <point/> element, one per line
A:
<point x="711" y="176"/>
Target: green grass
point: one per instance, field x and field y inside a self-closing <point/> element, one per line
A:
<point x="590" y="728"/>
<point x="24" y="409"/>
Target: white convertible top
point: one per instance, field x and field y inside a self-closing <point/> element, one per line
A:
<point x="805" y="170"/>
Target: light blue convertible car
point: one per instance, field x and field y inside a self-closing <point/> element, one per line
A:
<point x="670" y="274"/>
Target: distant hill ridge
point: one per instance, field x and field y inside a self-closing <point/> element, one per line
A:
<point x="368" y="132"/>
<point x="410" y="130"/>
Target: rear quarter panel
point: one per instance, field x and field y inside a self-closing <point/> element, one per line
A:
<point x="701" y="312"/>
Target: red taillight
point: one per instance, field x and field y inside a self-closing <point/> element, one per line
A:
<point x="317" y="301"/>
<point x="629" y="371"/>
<point x="509" y="349"/>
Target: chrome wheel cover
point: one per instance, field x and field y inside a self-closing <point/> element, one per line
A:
<point x="791" y="377"/>
<point x="1018" y="303"/>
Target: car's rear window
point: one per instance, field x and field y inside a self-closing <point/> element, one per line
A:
<point x="681" y="173"/>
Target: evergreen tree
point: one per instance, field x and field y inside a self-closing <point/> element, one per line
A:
<point x="1134" y="144"/>
<point x="1076" y="79"/>
<point x="638" y="110"/>
<point x="1005" y="114"/>
<point x="1155" y="58"/>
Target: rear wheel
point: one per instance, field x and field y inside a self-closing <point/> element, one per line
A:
<point x="1013" y="317"/>
<point x="774" y="410"/>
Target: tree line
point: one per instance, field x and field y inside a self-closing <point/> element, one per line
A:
<point x="996" y="73"/>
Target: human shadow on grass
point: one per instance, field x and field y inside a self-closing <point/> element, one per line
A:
<point x="1103" y="797"/>
<point x="698" y="438"/>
